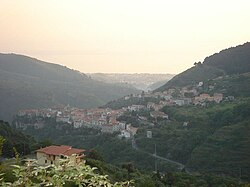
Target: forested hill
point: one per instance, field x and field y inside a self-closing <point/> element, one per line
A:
<point x="14" y="138"/>
<point x="23" y="65"/>
<point x="30" y="83"/>
<point x="235" y="60"/>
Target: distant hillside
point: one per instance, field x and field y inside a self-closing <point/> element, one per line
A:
<point x="235" y="60"/>
<point x="30" y="83"/>
<point x="141" y="81"/>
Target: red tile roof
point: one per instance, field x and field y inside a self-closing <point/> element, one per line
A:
<point x="60" y="150"/>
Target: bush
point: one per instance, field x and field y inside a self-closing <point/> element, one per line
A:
<point x="66" y="174"/>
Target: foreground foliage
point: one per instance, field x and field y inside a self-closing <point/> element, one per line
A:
<point x="66" y="174"/>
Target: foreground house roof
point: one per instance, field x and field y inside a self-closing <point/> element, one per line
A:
<point x="60" y="150"/>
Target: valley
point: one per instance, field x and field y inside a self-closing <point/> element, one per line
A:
<point x="170" y="130"/>
<point x="124" y="93"/>
<point x="140" y="81"/>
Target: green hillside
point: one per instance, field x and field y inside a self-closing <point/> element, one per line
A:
<point x="228" y="150"/>
<point x="171" y="137"/>
<point x="30" y="83"/>
<point x="217" y="139"/>
<point x="14" y="138"/>
<point x="235" y="60"/>
<point x="236" y="85"/>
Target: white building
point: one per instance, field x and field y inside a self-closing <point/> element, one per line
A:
<point x="149" y="134"/>
<point x="64" y="119"/>
<point x="78" y="123"/>
<point x="179" y="102"/>
<point x="136" y="108"/>
<point x="125" y="134"/>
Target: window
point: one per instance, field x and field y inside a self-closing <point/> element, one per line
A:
<point x="51" y="162"/>
<point x="45" y="161"/>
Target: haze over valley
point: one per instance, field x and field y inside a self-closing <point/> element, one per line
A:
<point x="141" y="81"/>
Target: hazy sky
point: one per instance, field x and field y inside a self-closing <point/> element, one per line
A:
<point x="123" y="35"/>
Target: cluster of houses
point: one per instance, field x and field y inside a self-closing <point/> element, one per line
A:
<point x="174" y="96"/>
<point x="203" y="98"/>
<point x="103" y="119"/>
<point x="106" y="121"/>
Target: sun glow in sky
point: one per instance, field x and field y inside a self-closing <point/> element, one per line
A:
<point x="157" y="36"/>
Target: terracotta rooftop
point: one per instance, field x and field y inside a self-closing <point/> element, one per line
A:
<point x="60" y="150"/>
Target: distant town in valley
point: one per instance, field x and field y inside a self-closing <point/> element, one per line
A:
<point x="107" y="120"/>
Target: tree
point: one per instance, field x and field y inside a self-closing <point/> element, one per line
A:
<point x="93" y="154"/>
<point x="170" y="178"/>
<point x="2" y="140"/>
<point x="129" y="167"/>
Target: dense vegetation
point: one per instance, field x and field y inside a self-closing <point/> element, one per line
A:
<point x="30" y="83"/>
<point x="15" y="139"/>
<point x="235" y="85"/>
<point x="65" y="174"/>
<point x="235" y="60"/>
<point x="220" y="131"/>
<point x="112" y="149"/>
<point x="214" y="130"/>
<point x="143" y="178"/>
<point x="99" y="173"/>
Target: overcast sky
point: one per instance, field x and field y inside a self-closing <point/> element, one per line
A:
<point x="123" y="35"/>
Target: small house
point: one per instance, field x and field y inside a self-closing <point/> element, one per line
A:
<point x="52" y="154"/>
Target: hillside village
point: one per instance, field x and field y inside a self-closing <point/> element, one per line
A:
<point x="103" y="119"/>
<point x="107" y="120"/>
<point x="192" y="95"/>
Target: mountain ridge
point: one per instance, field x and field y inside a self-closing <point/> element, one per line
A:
<point x="30" y="83"/>
<point x="225" y="62"/>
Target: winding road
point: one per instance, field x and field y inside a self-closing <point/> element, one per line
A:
<point x="180" y="165"/>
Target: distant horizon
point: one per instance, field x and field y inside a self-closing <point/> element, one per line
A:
<point x="150" y="73"/>
<point x="96" y="72"/>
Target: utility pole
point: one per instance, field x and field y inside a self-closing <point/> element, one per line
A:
<point x="155" y="150"/>
<point x="156" y="165"/>
<point x="155" y="160"/>
<point x="240" y="173"/>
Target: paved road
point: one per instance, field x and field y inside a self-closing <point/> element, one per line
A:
<point x="180" y="165"/>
